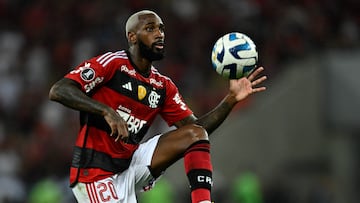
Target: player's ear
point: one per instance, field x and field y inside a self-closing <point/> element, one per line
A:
<point x="132" y="37"/>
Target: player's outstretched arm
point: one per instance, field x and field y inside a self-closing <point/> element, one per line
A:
<point x="239" y="90"/>
<point x="68" y="93"/>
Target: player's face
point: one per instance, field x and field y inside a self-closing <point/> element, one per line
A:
<point x="151" y="37"/>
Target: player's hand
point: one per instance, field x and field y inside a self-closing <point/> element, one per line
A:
<point x="243" y="87"/>
<point x="117" y="124"/>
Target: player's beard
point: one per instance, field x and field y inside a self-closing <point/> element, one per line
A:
<point x="150" y="53"/>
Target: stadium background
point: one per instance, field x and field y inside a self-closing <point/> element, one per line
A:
<point x="298" y="142"/>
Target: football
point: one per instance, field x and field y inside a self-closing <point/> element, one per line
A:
<point x="234" y="55"/>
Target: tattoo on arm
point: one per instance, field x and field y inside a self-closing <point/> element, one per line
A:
<point x="68" y="93"/>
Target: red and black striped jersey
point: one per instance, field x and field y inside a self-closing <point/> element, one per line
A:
<point x="112" y="79"/>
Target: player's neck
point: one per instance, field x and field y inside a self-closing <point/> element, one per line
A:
<point x="142" y="65"/>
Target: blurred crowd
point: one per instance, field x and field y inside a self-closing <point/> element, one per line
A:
<point x="41" y="40"/>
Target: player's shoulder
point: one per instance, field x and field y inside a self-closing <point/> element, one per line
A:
<point x="109" y="57"/>
<point x="161" y="77"/>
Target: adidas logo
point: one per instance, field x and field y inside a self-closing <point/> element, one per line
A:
<point x="127" y="86"/>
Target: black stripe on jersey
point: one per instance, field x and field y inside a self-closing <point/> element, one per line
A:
<point x="90" y="158"/>
<point x="97" y="121"/>
<point x="120" y="79"/>
<point x="94" y="120"/>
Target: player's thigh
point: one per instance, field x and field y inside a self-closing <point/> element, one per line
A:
<point x="172" y="145"/>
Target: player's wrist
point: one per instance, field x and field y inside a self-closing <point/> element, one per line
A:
<point x="231" y="99"/>
<point x="106" y="110"/>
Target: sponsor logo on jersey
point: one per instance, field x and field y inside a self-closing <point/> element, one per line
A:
<point x="88" y="87"/>
<point x="125" y="69"/>
<point x="179" y="101"/>
<point x="141" y="92"/>
<point x="127" y="86"/>
<point x="123" y="108"/>
<point x="157" y="83"/>
<point x="87" y="74"/>
<point x="153" y="99"/>
<point x="134" y="124"/>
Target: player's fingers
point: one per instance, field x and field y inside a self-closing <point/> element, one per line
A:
<point x="256" y="72"/>
<point x="122" y="132"/>
<point x="117" y="137"/>
<point x="125" y="139"/>
<point x="113" y="131"/>
<point x="121" y="137"/>
<point x="258" y="81"/>
<point x="258" y="89"/>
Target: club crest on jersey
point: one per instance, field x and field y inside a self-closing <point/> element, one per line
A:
<point x="153" y="99"/>
<point x="141" y="92"/>
<point x="87" y="74"/>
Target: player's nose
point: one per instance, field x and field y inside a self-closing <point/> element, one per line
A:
<point x="159" y="34"/>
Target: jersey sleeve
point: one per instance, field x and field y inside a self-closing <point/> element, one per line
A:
<point x="93" y="72"/>
<point x="175" y="109"/>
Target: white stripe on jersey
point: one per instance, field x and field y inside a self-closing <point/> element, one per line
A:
<point x="113" y="57"/>
<point x="156" y="72"/>
<point x="104" y="55"/>
<point x="109" y="56"/>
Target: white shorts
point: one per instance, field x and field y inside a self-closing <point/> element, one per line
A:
<point x="122" y="188"/>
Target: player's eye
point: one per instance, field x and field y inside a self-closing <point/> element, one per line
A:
<point x="162" y="29"/>
<point x="149" y="29"/>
